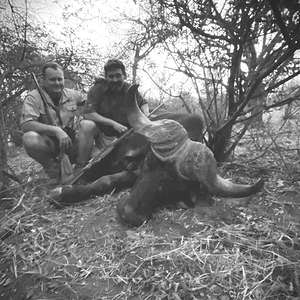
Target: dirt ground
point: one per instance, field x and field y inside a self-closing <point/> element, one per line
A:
<point x="86" y="252"/>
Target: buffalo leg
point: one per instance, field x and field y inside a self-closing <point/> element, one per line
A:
<point x="67" y="195"/>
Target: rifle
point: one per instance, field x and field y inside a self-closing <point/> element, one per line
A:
<point x="65" y="164"/>
<point x="104" y="152"/>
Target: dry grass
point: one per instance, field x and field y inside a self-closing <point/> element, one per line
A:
<point x="242" y="261"/>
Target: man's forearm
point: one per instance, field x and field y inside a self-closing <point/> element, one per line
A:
<point x="98" y="119"/>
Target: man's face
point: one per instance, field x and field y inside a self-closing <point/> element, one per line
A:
<point x="115" y="79"/>
<point x="54" y="82"/>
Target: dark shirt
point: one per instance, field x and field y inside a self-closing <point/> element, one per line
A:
<point x="109" y="104"/>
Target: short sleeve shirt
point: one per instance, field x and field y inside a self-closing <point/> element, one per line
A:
<point x="108" y="104"/>
<point x="64" y="114"/>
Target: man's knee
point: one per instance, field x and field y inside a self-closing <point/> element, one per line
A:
<point x="31" y="139"/>
<point x="34" y="141"/>
<point x="88" y="127"/>
<point x="39" y="147"/>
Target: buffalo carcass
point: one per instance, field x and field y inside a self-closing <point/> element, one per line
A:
<point x="172" y="169"/>
<point x="121" y="168"/>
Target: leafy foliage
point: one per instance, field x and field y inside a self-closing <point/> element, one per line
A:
<point x="215" y="41"/>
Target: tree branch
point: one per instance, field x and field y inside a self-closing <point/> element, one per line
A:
<point x="280" y="23"/>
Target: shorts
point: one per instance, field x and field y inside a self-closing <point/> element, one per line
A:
<point x="102" y="141"/>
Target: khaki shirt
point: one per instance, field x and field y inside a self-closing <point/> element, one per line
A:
<point x="33" y="108"/>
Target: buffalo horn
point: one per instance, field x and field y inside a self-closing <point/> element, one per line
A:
<point x="134" y="115"/>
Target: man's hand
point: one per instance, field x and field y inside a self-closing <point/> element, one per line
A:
<point x="64" y="140"/>
<point x="119" y="127"/>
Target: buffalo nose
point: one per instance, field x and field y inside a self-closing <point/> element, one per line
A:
<point x="127" y="214"/>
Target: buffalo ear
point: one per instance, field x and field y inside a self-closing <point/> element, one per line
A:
<point x="135" y="116"/>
